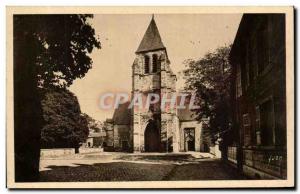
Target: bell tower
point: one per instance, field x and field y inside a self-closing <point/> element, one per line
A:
<point x="154" y="129"/>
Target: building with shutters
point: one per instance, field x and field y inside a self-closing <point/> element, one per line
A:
<point x="259" y="96"/>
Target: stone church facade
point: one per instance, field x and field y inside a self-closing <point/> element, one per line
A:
<point x="155" y="129"/>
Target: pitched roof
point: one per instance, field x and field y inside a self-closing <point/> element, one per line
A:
<point x="97" y="134"/>
<point x="186" y="114"/>
<point x="151" y="40"/>
<point x="122" y="114"/>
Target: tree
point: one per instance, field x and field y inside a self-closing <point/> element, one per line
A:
<point x="93" y="124"/>
<point x="64" y="124"/>
<point x="49" y="50"/>
<point x="61" y="46"/>
<point x="210" y="78"/>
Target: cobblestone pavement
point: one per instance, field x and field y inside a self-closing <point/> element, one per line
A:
<point x="135" y="167"/>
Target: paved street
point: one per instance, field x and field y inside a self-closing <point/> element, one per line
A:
<point x="135" y="167"/>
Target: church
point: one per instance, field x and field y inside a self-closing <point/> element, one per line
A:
<point x="154" y="129"/>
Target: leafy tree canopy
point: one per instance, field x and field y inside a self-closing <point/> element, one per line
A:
<point x="60" y="46"/>
<point x="65" y="125"/>
<point x="209" y="77"/>
<point x="93" y="124"/>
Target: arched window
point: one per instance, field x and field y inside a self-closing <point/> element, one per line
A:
<point x="147" y="64"/>
<point x="154" y="63"/>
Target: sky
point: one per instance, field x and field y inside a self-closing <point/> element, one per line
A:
<point x="186" y="36"/>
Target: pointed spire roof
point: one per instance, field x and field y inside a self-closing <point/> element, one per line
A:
<point x="151" y="40"/>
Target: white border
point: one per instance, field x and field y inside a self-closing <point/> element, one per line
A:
<point x="162" y="184"/>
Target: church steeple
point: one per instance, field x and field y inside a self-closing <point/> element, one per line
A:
<point x="152" y="74"/>
<point x="151" y="40"/>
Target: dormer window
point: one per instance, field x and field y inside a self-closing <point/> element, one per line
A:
<point x="147" y="59"/>
<point x="154" y="63"/>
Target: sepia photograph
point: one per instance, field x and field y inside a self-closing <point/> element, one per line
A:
<point x="150" y="97"/>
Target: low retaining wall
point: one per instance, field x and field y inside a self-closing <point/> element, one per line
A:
<point x="49" y="153"/>
<point x="90" y="150"/>
<point x="214" y="150"/>
<point x="265" y="162"/>
<point x="231" y="154"/>
<point x="56" y="152"/>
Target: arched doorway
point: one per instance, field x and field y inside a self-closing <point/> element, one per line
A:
<point x="152" y="138"/>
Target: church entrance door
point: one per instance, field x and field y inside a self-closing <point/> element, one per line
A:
<point x="189" y="138"/>
<point x="125" y="146"/>
<point x="191" y="145"/>
<point x="152" y="138"/>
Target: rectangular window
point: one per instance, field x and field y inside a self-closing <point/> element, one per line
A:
<point x="147" y="61"/>
<point x="238" y="82"/>
<point x="257" y="125"/>
<point x="247" y="69"/>
<point x="247" y="129"/>
<point x="250" y="64"/>
<point x="262" y="44"/>
<point x="277" y="40"/>
<point x="253" y="52"/>
<point x="267" y="123"/>
<point x="154" y="63"/>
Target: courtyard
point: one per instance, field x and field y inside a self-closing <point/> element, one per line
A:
<point x="109" y="166"/>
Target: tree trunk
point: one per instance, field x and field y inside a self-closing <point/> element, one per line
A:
<point x="27" y="110"/>
<point x="76" y="150"/>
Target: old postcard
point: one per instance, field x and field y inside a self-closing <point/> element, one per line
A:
<point x="150" y="97"/>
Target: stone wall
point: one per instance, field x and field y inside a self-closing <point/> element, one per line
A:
<point x="90" y="150"/>
<point x="109" y="139"/>
<point x="46" y="153"/>
<point x="265" y="164"/>
<point x="161" y="82"/>
<point x="231" y="154"/>
<point x="122" y="135"/>
<point x="58" y="152"/>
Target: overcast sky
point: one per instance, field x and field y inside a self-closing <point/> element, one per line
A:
<point x="186" y="36"/>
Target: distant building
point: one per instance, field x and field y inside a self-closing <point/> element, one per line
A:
<point x="153" y="130"/>
<point x="259" y="96"/>
<point x="95" y="139"/>
<point x="119" y="134"/>
<point x="96" y="135"/>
